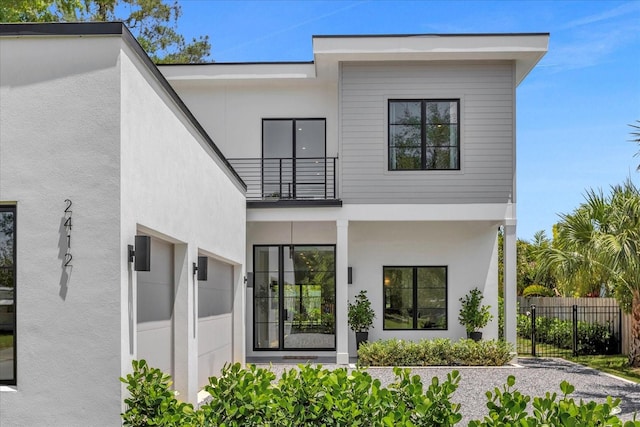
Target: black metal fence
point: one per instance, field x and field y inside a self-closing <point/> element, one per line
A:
<point x="569" y="330"/>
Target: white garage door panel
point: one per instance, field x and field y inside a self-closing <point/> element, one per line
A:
<point x="214" y="346"/>
<point x="155" y="298"/>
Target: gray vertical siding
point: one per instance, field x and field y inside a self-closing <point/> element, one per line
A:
<point x="486" y="92"/>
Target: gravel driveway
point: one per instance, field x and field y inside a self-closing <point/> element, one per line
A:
<point x="534" y="377"/>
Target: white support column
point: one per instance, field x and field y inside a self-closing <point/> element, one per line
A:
<point x="510" y="283"/>
<point x="342" y="292"/>
<point x="185" y="347"/>
<point x="239" y="314"/>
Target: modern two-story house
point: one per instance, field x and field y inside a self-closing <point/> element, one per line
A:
<point x="386" y="164"/>
<point x="194" y="215"/>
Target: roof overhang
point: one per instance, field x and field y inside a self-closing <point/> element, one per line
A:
<point x="524" y="49"/>
<point x="240" y="72"/>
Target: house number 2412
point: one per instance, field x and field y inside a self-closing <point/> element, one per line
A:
<point x="68" y="226"/>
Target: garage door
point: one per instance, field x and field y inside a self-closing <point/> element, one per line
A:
<point x="155" y="295"/>
<point x="215" y="323"/>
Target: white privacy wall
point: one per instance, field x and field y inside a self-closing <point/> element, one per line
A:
<point x="468" y="249"/>
<point x="59" y="139"/>
<point x="175" y="189"/>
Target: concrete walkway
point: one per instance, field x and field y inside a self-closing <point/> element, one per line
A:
<point x="534" y="377"/>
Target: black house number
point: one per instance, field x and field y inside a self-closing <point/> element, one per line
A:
<point x="68" y="226"/>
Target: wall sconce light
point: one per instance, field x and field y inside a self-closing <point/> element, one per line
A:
<point x="141" y="254"/>
<point x="201" y="268"/>
<point x="349" y="275"/>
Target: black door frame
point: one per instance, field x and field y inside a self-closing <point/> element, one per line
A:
<point x="281" y="311"/>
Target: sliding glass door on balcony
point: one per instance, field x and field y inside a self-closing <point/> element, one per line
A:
<point x="293" y="159"/>
<point x="294" y="297"/>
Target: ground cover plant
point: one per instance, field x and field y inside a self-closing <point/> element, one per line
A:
<point x="617" y="364"/>
<point x="435" y="352"/>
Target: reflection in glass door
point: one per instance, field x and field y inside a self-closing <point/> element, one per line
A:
<point x="294" y="158"/>
<point x="300" y="314"/>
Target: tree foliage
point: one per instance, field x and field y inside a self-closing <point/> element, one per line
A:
<point x="636" y="138"/>
<point x="599" y="242"/>
<point x="153" y="23"/>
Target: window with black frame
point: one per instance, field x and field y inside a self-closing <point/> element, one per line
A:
<point x="415" y="298"/>
<point x="424" y="134"/>
<point x="7" y="295"/>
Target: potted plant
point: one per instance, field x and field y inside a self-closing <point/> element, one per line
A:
<point x="473" y="315"/>
<point x="360" y="317"/>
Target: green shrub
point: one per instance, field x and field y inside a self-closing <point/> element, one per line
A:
<point x="151" y="402"/>
<point x="313" y="396"/>
<point x="593" y="338"/>
<point x="436" y="352"/>
<point x="537" y="291"/>
<point x="508" y="407"/>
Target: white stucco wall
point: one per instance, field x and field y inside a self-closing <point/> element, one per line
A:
<point x="232" y="112"/>
<point x="174" y="188"/>
<point x="81" y="118"/>
<point x="59" y="139"/>
<point x="468" y="249"/>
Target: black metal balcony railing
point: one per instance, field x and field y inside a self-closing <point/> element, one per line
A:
<point x="275" y="179"/>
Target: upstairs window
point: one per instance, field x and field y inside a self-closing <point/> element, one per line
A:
<point x="424" y="134"/>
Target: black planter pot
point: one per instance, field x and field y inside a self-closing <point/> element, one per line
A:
<point x="476" y="335"/>
<point x="360" y="338"/>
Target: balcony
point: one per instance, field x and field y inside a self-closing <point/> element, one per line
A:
<point x="280" y="182"/>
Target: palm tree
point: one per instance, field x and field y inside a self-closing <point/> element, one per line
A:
<point x="600" y="241"/>
<point x="636" y="136"/>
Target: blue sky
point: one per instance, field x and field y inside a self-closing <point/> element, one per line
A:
<point x="573" y="109"/>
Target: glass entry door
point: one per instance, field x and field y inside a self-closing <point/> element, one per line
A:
<point x="294" y="297"/>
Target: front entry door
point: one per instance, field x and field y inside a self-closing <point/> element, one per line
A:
<point x="294" y="297"/>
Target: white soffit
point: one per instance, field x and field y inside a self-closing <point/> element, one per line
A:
<point x="239" y="71"/>
<point x="525" y="49"/>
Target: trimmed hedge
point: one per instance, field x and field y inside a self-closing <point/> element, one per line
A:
<point x="436" y="352"/>
<point x="593" y="338"/>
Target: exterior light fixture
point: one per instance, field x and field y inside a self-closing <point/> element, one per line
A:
<point x="140" y="255"/>
<point x="350" y="275"/>
<point x="201" y="269"/>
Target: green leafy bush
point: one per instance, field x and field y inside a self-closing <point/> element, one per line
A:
<point x="593" y="338"/>
<point x="508" y="407"/>
<point x="151" y="402"/>
<point x="535" y="290"/>
<point x="313" y="396"/>
<point x="436" y="352"/>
